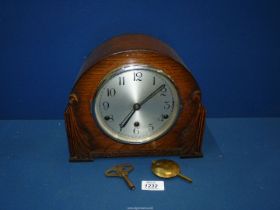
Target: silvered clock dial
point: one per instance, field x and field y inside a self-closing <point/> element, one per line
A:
<point x="136" y="104"/>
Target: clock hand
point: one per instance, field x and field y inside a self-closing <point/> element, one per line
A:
<point x="130" y="114"/>
<point x="152" y="94"/>
<point x="137" y="106"/>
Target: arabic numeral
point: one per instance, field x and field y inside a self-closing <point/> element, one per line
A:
<point x="163" y="117"/>
<point x="105" y="105"/>
<point x="111" y="92"/>
<point x="121" y="81"/>
<point x="137" y="76"/>
<point x="109" y="118"/>
<point x="136" y="131"/>
<point x="151" y="127"/>
<point x="167" y="105"/>
<point x="163" y="91"/>
<point x="151" y="186"/>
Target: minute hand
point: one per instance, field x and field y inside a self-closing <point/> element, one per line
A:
<point x="137" y="106"/>
<point x="127" y="118"/>
<point x="152" y="94"/>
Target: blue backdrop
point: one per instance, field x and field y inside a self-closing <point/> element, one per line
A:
<point x="232" y="48"/>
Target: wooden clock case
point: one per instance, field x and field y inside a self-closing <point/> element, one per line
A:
<point x="87" y="141"/>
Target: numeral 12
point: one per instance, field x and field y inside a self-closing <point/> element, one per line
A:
<point x="137" y="76"/>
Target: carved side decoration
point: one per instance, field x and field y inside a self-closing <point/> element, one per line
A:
<point x="193" y="133"/>
<point x="79" y="144"/>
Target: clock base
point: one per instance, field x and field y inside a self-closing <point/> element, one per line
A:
<point x="189" y="142"/>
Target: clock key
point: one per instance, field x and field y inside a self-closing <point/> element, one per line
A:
<point x="122" y="171"/>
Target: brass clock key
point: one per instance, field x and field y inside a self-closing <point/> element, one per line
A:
<point x="122" y="170"/>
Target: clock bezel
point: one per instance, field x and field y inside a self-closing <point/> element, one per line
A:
<point x="130" y="140"/>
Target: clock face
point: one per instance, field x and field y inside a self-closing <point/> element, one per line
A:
<point x="136" y="104"/>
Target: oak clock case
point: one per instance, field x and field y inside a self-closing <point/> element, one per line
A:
<point x="134" y="97"/>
